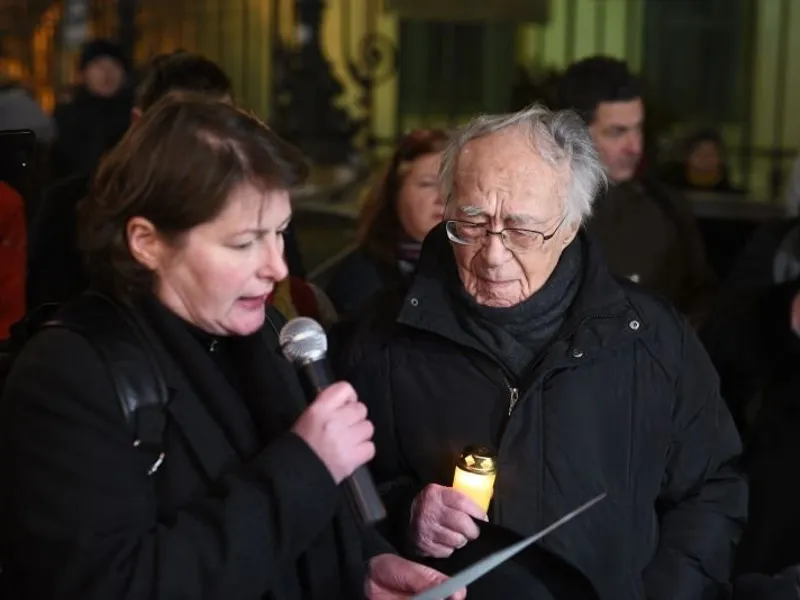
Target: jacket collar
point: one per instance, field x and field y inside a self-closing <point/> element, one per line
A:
<point x="601" y="316"/>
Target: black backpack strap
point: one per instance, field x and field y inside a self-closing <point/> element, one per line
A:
<point x="117" y="335"/>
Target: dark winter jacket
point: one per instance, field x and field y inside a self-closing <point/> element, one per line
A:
<point x="623" y="400"/>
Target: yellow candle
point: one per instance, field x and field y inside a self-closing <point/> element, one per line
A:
<point x="476" y="470"/>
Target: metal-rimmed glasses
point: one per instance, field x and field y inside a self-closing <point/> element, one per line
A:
<point x="513" y="238"/>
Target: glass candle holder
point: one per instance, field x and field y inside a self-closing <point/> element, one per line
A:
<point x="476" y="470"/>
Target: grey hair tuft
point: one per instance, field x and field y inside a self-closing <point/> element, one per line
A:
<point x="558" y="136"/>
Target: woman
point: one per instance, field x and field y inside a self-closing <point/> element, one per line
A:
<point x="183" y="231"/>
<point x="397" y="215"/>
<point x="703" y="167"/>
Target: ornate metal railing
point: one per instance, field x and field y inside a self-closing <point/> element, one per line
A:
<point x="307" y="91"/>
<point x="328" y="94"/>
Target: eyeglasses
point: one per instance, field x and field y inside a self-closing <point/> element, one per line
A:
<point x="516" y="240"/>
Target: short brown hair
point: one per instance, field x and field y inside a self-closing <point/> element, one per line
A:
<point x="179" y="73"/>
<point x="175" y="167"/>
<point x="379" y="230"/>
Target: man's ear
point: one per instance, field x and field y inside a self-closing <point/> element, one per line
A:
<point x="570" y="232"/>
<point x="144" y="243"/>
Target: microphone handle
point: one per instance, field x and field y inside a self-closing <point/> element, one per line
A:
<point x="363" y="497"/>
<point x="360" y="489"/>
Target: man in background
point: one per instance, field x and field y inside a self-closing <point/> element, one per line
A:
<point x="648" y="233"/>
<point x="98" y="114"/>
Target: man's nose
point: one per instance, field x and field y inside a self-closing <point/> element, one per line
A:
<point x="494" y="251"/>
<point x="633" y="143"/>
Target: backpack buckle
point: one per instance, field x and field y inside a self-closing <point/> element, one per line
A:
<point x="158" y="461"/>
<point x="150" y="421"/>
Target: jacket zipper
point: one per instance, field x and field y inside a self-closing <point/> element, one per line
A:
<point x="514" y="390"/>
<point x="514" y="401"/>
<point x="513" y="397"/>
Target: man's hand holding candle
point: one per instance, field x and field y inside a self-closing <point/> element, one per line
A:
<point x="442" y="521"/>
<point x="476" y="470"/>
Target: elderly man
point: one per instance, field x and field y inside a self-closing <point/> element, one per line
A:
<point x="514" y="335"/>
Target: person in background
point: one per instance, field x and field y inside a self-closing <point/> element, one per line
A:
<point x="13" y="236"/>
<point x="19" y="110"/>
<point x="771" y="542"/>
<point x="98" y="114"/>
<point x="181" y="72"/>
<point x="768" y="556"/>
<point x="648" y="232"/>
<point x="745" y="333"/>
<point x="399" y="211"/>
<point x="514" y="335"/>
<point x="245" y="501"/>
<point x="295" y="297"/>
<point x="56" y="271"/>
<point x="702" y="166"/>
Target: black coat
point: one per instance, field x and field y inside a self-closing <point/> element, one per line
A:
<point x="56" y="272"/>
<point x="650" y="235"/>
<point x="748" y="334"/>
<point x="624" y="401"/>
<point x="87" y="127"/>
<point x="358" y="278"/>
<point x="241" y="508"/>
<point x="771" y="542"/>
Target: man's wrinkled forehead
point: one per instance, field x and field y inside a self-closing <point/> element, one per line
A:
<point x="507" y="170"/>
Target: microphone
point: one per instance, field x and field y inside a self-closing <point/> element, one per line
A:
<point x="305" y="345"/>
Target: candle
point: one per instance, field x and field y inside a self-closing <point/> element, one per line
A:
<point x="476" y="470"/>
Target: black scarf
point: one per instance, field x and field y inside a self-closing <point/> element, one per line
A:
<point x="408" y="252"/>
<point x="517" y="334"/>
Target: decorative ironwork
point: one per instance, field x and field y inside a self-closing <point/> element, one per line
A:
<point x="375" y="64"/>
<point x="306" y="89"/>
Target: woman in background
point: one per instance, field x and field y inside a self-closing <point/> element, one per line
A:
<point x="400" y="210"/>
<point x="703" y="167"/>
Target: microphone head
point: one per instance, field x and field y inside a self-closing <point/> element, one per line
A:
<point x="303" y="341"/>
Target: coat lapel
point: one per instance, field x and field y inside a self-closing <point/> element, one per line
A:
<point x="200" y="430"/>
<point x="218" y="429"/>
<point x="276" y="398"/>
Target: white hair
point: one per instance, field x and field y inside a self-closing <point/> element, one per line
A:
<point x="559" y="137"/>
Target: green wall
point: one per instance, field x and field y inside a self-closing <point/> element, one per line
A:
<point x="236" y="32"/>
